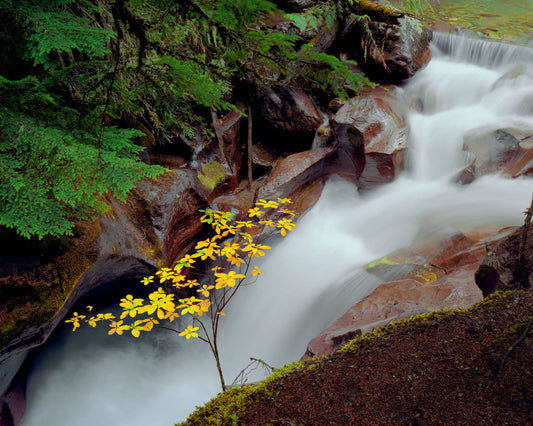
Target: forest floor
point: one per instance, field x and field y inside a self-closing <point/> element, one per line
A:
<point x="469" y="368"/>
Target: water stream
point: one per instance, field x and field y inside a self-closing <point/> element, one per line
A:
<point x="313" y="275"/>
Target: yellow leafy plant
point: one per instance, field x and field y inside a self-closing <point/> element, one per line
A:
<point x="231" y="250"/>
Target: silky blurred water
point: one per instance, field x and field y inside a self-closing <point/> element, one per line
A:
<point x="315" y="274"/>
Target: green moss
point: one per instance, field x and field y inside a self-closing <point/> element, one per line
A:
<point x="227" y="407"/>
<point x="38" y="290"/>
<point x="382" y="332"/>
<point x="213" y="174"/>
<point x="515" y="329"/>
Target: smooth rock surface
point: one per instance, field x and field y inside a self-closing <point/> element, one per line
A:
<point x="434" y="275"/>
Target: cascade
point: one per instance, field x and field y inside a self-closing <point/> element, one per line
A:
<point x="316" y="273"/>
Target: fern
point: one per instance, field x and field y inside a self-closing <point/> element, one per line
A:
<point x="49" y="176"/>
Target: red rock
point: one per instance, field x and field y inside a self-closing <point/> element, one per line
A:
<point x="295" y="172"/>
<point x="380" y="118"/>
<point x="434" y="275"/>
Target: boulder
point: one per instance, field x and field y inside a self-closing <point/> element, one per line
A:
<point x="290" y="109"/>
<point x="522" y="162"/>
<point x="398" y="47"/>
<point x="380" y="120"/>
<point x="438" y="274"/>
<point x="299" y="177"/>
<point x="494" y="149"/>
<point x="508" y="151"/>
<point x="501" y="268"/>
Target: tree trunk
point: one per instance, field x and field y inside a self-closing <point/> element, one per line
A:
<point x="221" y="146"/>
<point x="250" y="144"/>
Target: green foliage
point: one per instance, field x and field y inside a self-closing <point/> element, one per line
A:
<point x="329" y="73"/>
<point x="76" y="76"/>
<point x="57" y="158"/>
<point x="49" y="175"/>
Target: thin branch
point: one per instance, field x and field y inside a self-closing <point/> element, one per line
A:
<point x="514" y="345"/>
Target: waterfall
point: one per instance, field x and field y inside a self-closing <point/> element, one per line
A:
<point x="313" y="275"/>
<point x="481" y="52"/>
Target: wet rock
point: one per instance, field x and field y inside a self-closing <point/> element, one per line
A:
<point x="379" y="118"/>
<point x="349" y="159"/>
<point x="522" y="162"/>
<point x="290" y="109"/>
<point x="262" y="156"/>
<point x="154" y="224"/>
<point x="399" y="45"/>
<point x="494" y="149"/>
<point x="470" y="172"/>
<point x="437" y="274"/>
<point x="299" y="177"/>
<point x="501" y="268"/>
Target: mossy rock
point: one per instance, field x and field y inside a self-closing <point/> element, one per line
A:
<point x="213" y="174"/>
<point x="38" y="276"/>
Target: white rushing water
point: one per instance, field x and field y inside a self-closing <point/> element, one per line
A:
<point x="313" y="275"/>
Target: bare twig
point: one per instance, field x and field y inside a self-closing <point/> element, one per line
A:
<point x="514" y="345"/>
<point x="523" y="277"/>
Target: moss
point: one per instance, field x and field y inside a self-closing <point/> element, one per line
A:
<point x="515" y="329"/>
<point x="227" y="407"/>
<point x="213" y="174"/>
<point x="491" y="301"/>
<point x="39" y="284"/>
<point x="405" y="266"/>
<point x="148" y="139"/>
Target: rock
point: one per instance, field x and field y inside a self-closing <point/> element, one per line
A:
<point x="290" y="109"/>
<point x="153" y="225"/>
<point x="379" y="118"/>
<point x="437" y="274"/>
<point x="299" y="177"/>
<point x="522" y="162"/>
<point x="399" y="45"/>
<point x="442" y="27"/>
<point x="494" y="150"/>
<point x="501" y="269"/>
<point x="174" y="209"/>
<point x="262" y="156"/>
<point x="349" y="159"/>
<point x="470" y="172"/>
<point x="508" y="151"/>
<point x="230" y="128"/>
